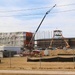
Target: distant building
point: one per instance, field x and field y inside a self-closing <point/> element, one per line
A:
<point x="45" y="43"/>
<point x="15" y="39"/>
<point x="57" y="41"/>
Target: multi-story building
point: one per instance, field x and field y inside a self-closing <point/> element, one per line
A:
<point x="19" y="39"/>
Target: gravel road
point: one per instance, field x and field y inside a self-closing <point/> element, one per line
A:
<point x="37" y="72"/>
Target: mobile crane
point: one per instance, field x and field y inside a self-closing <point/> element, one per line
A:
<point x="40" y="25"/>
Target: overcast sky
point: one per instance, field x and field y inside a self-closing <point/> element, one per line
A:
<point x="25" y="15"/>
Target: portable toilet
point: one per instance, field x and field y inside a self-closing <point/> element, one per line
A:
<point x="46" y="52"/>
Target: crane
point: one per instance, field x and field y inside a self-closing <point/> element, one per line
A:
<point x="40" y="24"/>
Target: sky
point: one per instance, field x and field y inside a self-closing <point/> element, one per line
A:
<point x="26" y="15"/>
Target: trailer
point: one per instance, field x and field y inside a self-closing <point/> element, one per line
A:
<point x="6" y="51"/>
<point x="8" y="48"/>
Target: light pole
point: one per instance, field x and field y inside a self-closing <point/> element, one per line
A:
<point x="73" y="58"/>
<point x="10" y="57"/>
<point x="41" y="55"/>
<point x="9" y="51"/>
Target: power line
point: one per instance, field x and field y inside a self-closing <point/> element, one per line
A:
<point x="64" y="11"/>
<point x="66" y="5"/>
<point x="3" y="11"/>
<point x="40" y="13"/>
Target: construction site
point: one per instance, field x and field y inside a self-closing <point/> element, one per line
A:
<point x="22" y="51"/>
<point x="59" y="48"/>
<point x="23" y="43"/>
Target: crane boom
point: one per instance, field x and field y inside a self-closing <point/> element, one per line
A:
<point x="41" y="23"/>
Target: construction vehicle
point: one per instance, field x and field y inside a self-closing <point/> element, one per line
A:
<point x="30" y="45"/>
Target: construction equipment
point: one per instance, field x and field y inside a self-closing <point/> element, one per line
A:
<point x="58" y="35"/>
<point x="32" y="39"/>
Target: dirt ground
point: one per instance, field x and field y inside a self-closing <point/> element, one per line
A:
<point x="20" y="63"/>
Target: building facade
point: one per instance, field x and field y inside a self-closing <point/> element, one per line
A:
<point x="45" y="43"/>
<point x="19" y="39"/>
<point x="57" y="41"/>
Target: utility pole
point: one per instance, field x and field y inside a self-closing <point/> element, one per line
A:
<point x="41" y="23"/>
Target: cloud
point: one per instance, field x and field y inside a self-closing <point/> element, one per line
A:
<point x="64" y="21"/>
<point x="11" y="24"/>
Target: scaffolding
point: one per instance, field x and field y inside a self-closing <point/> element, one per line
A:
<point x="58" y="40"/>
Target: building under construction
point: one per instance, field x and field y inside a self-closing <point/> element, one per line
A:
<point x="15" y="39"/>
